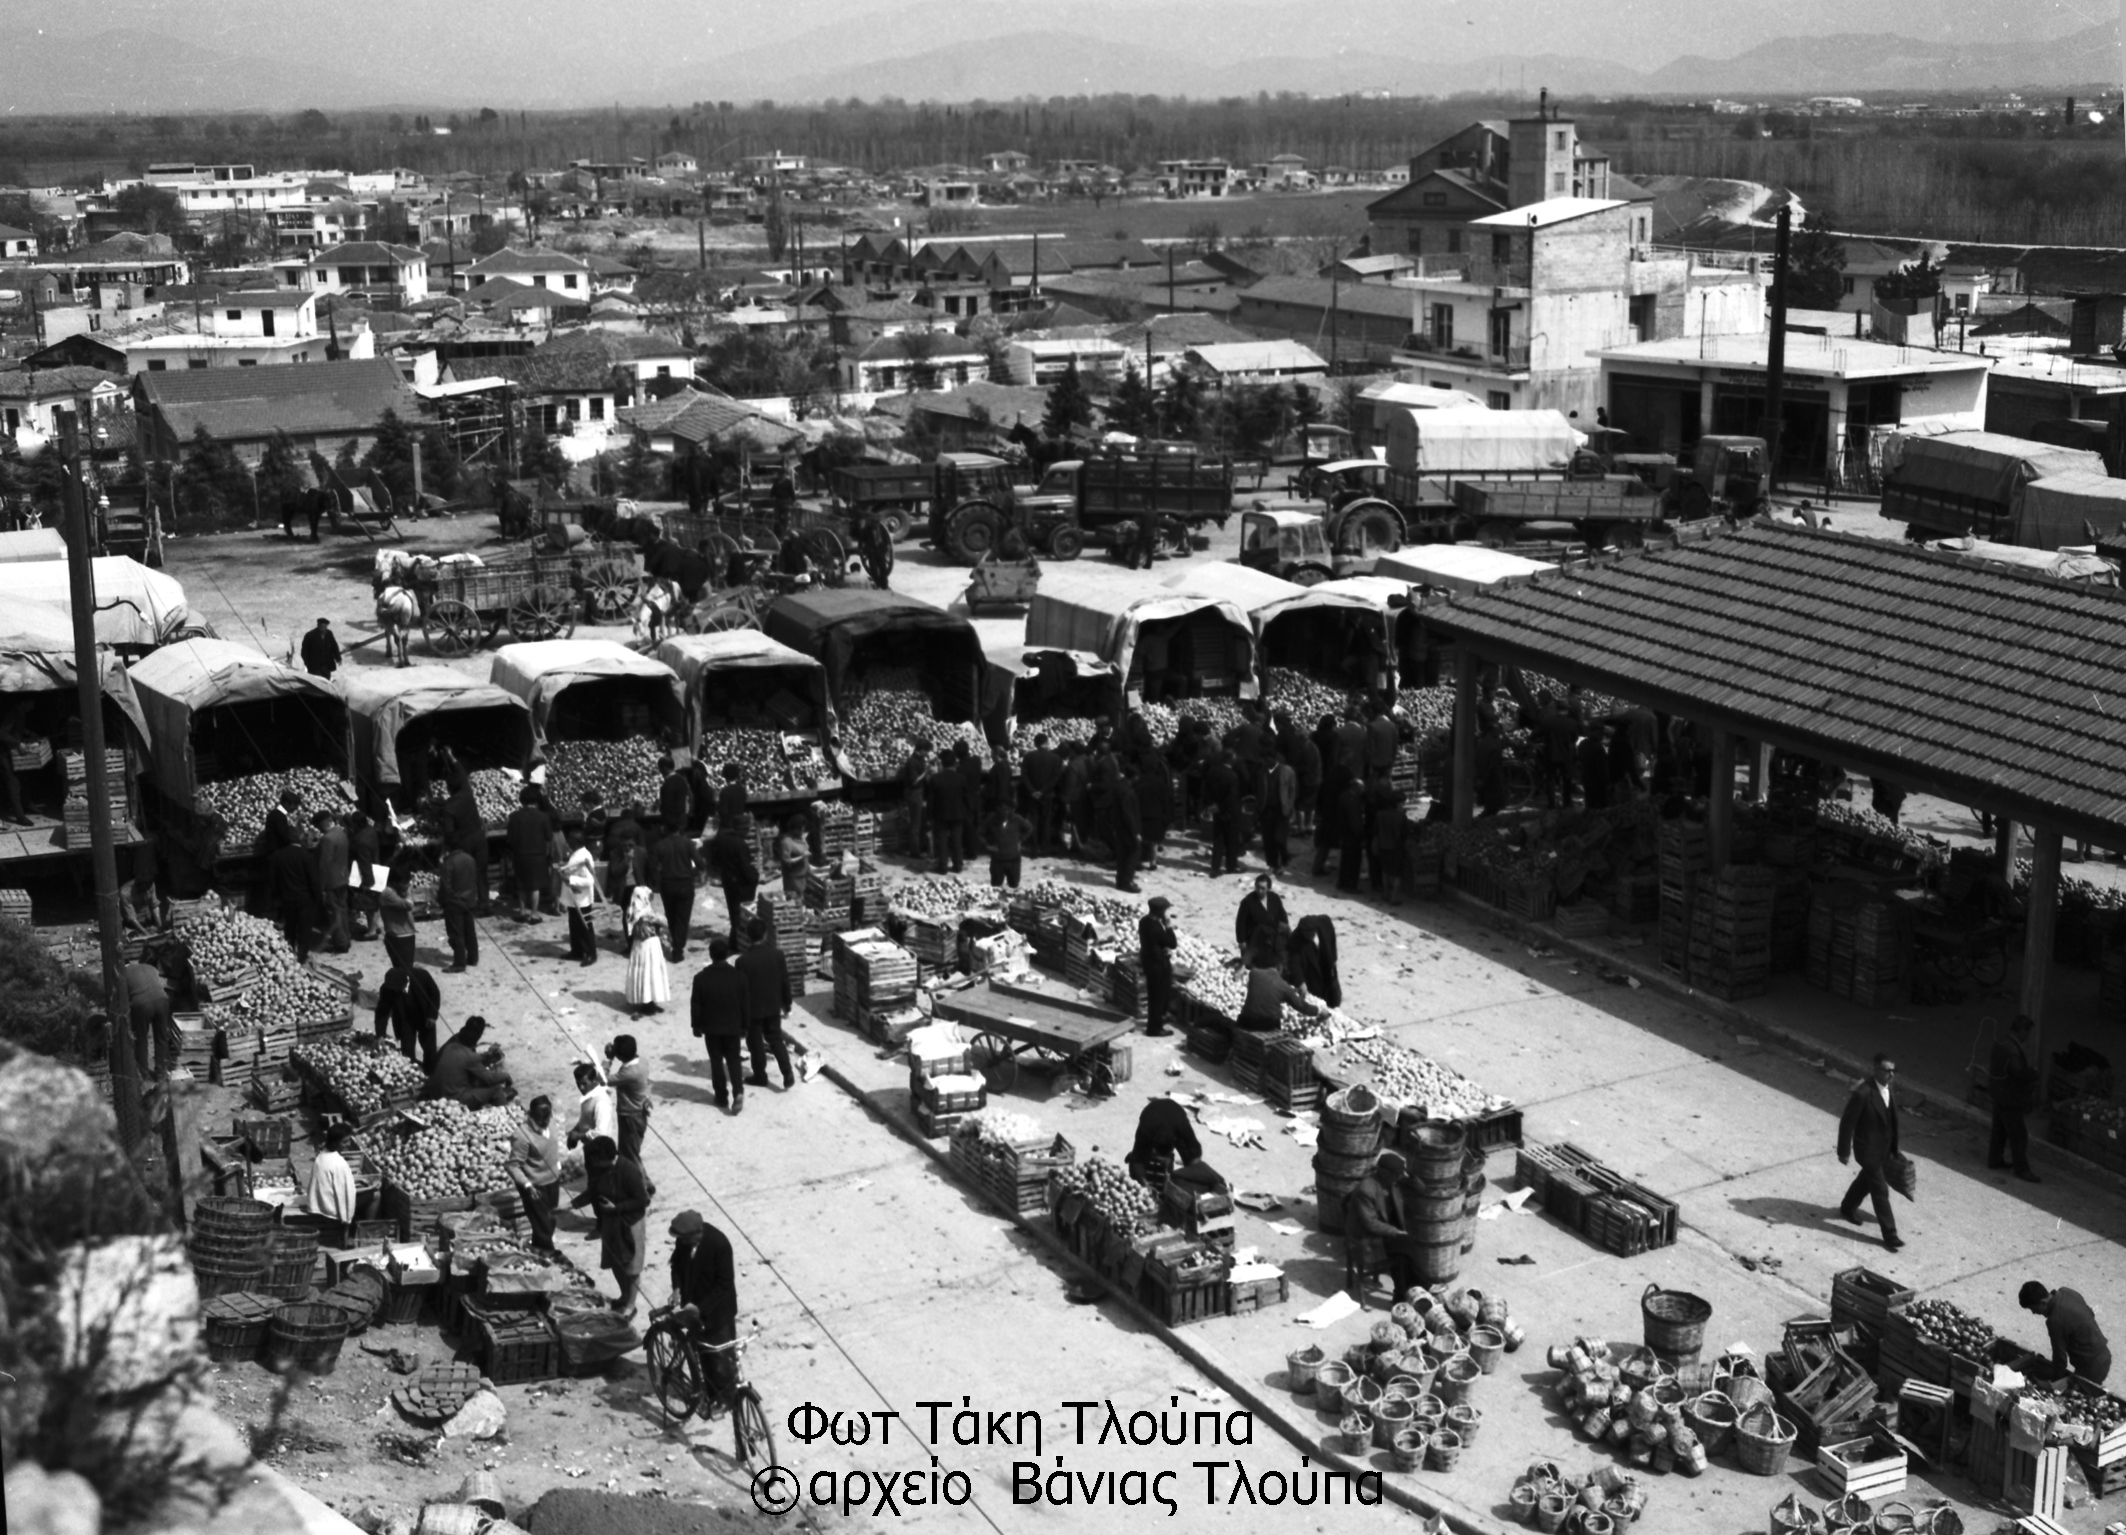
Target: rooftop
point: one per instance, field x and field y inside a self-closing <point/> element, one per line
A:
<point x="1816" y="356"/>
<point x="1542" y="215"/>
<point x="367" y="253"/>
<point x="315" y="399"/>
<point x="1996" y="687"/>
<point x="51" y="383"/>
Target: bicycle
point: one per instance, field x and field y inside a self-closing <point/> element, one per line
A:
<point x="680" y="1379"/>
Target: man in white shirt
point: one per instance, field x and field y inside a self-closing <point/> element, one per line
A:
<point x="332" y="1189"/>
<point x="598" y="1113"/>
<point x="579" y="890"/>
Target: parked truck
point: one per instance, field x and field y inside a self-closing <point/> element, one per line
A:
<point x="908" y="496"/>
<point x="1094" y="502"/>
<point x="1971" y="482"/>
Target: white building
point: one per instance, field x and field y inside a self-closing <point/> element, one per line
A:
<point x="564" y="274"/>
<point x="369" y="267"/>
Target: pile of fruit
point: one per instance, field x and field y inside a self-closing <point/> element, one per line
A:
<point x="363" y="1079"/>
<point x="459" y="1154"/>
<point x="1846" y="816"/>
<point x="246" y="802"/>
<point x="495" y="794"/>
<point x="885" y="711"/>
<point x="2102" y="1411"/>
<point x="1062" y="730"/>
<point x="2077" y="895"/>
<point x="625" y="772"/>
<point x="997" y="1129"/>
<point x="223" y="942"/>
<point x="1222" y="713"/>
<point x="942" y="898"/>
<point x="1118" y="916"/>
<point x="1430" y="711"/>
<point x="1953" y="1328"/>
<point x="1401" y="1075"/>
<point x="758" y="752"/>
<point x="1308" y="697"/>
<point x="1108" y="1188"/>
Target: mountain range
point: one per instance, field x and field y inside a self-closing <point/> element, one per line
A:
<point x="226" y="55"/>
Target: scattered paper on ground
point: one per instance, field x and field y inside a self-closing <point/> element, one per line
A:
<point x="1330" y="1311"/>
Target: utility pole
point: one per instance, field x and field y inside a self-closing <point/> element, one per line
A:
<point x="103" y="855"/>
<point x="1775" y="352"/>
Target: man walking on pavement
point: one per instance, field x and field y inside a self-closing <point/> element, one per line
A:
<point x="767" y="977"/>
<point x="1867" y="1135"/>
<point x="320" y="650"/>
<point x="407" y="1006"/>
<point x="1156" y="942"/>
<point x="2078" y="1344"/>
<point x="2013" y="1084"/>
<point x="722" y="1002"/>
<point x="672" y="872"/>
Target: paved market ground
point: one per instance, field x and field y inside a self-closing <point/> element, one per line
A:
<point x="879" y="1283"/>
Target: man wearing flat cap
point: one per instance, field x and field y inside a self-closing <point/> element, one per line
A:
<point x="1156" y="942"/>
<point x="1377" y="1227"/>
<point x="704" y="1278"/>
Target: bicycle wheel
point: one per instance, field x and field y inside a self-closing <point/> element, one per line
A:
<point x="675" y="1374"/>
<point x="1989" y="963"/>
<point x="749" y="1426"/>
<point x="1951" y="960"/>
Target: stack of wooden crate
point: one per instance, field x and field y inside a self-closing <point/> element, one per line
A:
<point x="1731" y="933"/>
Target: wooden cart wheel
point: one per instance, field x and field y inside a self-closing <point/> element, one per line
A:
<point x="724" y="618"/>
<point x="990" y="1057"/>
<point x="610" y="592"/>
<point x="541" y="615"/>
<point x="452" y="628"/>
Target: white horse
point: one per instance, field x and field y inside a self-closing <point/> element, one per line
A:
<point x="653" y="612"/>
<point x="398" y="611"/>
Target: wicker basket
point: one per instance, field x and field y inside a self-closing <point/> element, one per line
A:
<point x="1301" y="1368"/>
<point x="1675" y="1322"/>
<point x="306" y="1337"/>
<point x="1329" y="1382"/>
<point x="1464" y="1419"/>
<point x="1444" y="1450"/>
<point x="1407" y="1450"/>
<point x="1746" y="1391"/>
<point x="1712" y="1418"/>
<point x="1487" y="1345"/>
<point x="1762" y="1440"/>
<point x="235" y="1325"/>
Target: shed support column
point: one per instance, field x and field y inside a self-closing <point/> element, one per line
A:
<point x="2004" y="850"/>
<point x="1720" y="807"/>
<point x="1760" y="771"/>
<point x="1464" y="776"/>
<point x="2037" y="929"/>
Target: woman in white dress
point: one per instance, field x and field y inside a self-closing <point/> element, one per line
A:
<point x="649" y="982"/>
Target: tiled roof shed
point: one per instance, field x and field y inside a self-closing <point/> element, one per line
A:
<point x="2000" y="690"/>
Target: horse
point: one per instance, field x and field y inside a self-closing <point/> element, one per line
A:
<point x="653" y="613"/>
<point x="686" y="569"/>
<point x="397" y="611"/>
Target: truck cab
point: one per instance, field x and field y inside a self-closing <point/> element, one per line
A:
<point x="1286" y="542"/>
<point x="1340" y="481"/>
<point x="1727" y="477"/>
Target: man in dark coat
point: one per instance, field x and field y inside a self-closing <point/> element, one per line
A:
<point x="675" y="796"/>
<point x="672" y="873"/>
<point x="320" y="650"/>
<point x="1042" y="773"/>
<point x="468" y="1074"/>
<point x="1156" y="942"/>
<point x="458" y="893"/>
<point x="1126" y="818"/>
<point x="295" y="896"/>
<point x="1221" y="793"/>
<point x="407" y="1006"/>
<point x="1261" y="908"/>
<point x="279" y="829"/>
<point x="1377" y="1226"/>
<point x="1155" y="803"/>
<point x="1328" y="801"/>
<point x="468" y="832"/>
<point x="530" y="835"/>
<point x="334" y="858"/>
<point x="731" y="798"/>
<point x="1354" y="820"/>
<point x="948" y="814"/>
<point x="1867" y="1135"/>
<point x="767" y="978"/>
<point x="732" y="863"/>
<point x="154" y="1026"/>
<point x="2013" y="1081"/>
<point x="704" y="1277"/>
<point x="1074" y="797"/>
<point x="722" y="1002"/>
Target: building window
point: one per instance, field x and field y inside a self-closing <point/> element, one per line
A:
<point x="1560" y="138"/>
<point x="1416" y="241"/>
<point x="598" y="407"/>
<point x="1845" y="285"/>
<point x="1442" y="326"/>
<point x="664" y="370"/>
<point x="885" y="378"/>
<point x="247" y="362"/>
<point x="1502" y="249"/>
<point x="574" y="409"/>
<point x="1557" y="182"/>
<point x="195" y="362"/>
<point x="265" y="320"/>
<point x="1454" y="242"/>
<point x="569" y="281"/>
<point x="157" y="365"/>
<point x="236" y="314"/>
<point x="1498" y="399"/>
<point x="1501" y="332"/>
<point x="1435" y="199"/>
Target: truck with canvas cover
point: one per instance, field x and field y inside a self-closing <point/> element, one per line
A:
<point x="2073" y="508"/>
<point x="1430" y="452"/>
<point x="1165" y="645"/>
<point x="1971" y="482"/>
<point x="1605" y="508"/>
<point x="1094" y="501"/>
<point x="756" y="702"/>
<point x="402" y="715"/>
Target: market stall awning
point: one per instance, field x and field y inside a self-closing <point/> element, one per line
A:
<point x="698" y="659"/>
<point x="1249" y="590"/>
<point x="136" y="607"/>
<point x="831" y="622"/>
<point x="1998" y="689"/>
<point x="385" y="699"/>
<point x="178" y="681"/>
<point x="541" y="670"/>
<point x="1456" y="567"/>
<point x="1006" y="663"/>
<point x="30" y="667"/>
<point x="31" y="544"/>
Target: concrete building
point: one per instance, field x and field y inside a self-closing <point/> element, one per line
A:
<point x="564" y="274"/>
<point x="1194" y="178"/>
<point x="1041" y="357"/>
<point x="30" y="396"/>
<point x="1487" y="168"/>
<point x="1840" y="395"/>
<point x="369" y="267"/>
<point x="914" y="359"/>
<point x="205" y="190"/>
<point x="1351" y="319"/>
<point x="1518" y="318"/>
<point x="228" y="330"/>
<point x="16" y="244"/>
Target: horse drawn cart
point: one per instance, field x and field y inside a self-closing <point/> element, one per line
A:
<point x="363" y="504"/>
<point x="464" y="606"/>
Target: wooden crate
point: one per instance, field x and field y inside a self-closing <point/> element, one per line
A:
<point x="2035" y="1483"/>
<point x="1500" y="1129"/>
<point x="1873" y="1465"/>
<point x="2103" y="1480"/>
<point x="1179" y="1305"/>
<point x="1861" y="1295"/>
<point x="1246" y="1295"/>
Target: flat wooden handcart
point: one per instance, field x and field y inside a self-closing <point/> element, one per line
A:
<point x="1012" y="1023"/>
